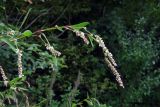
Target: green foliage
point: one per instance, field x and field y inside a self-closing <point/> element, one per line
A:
<point x="134" y="38"/>
<point x="35" y="59"/>
<point x="27" y="33"/>
<point x="129" y="28"/>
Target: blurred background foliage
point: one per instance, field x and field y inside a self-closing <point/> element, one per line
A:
<point x="130" y="30"/>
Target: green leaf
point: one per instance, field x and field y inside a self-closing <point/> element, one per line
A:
<point x="27" y="33"/>
<point x="91" y="40"/>
<point x="80" y="25"/>
<point x="10" y="43"/>
<point x="14" y="81"/>
<point x="88" y="102"/>
<point x="74" y="105"/>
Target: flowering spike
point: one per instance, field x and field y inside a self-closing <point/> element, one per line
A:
<point x="109" y="60"/>
<point x="19" y="63"/>
<point x="81" y="35"/>
<point x="52" y="50"/>
<point x="115" y="72"/>
<point x="3" y="76"/>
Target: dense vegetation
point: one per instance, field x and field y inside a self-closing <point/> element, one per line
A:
<point x="74" y="73"/>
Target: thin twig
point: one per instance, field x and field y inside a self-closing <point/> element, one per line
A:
<point x="25" y="18"/>
<point x="73" y="91"/>
<point x="62" y="13"/>
<point x="37" y="18"/>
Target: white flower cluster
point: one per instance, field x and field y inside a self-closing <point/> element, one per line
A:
<point x="81" y="35"/>
<point x="109" y="59"/>
<point x="3" y="76"/>
<point x="19" y="63"/>
<point x="52" y="50"/>
<point x="115" y="72"/>
<point x="105" y="49"/>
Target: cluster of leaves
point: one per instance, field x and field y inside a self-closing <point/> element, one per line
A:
<point x="134" y="36"/>
<point x="38" y="68"/>
<point x="130" y="28"/>
<point x="35" y="60"/>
